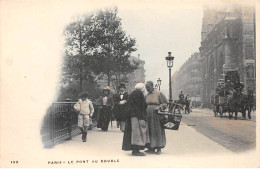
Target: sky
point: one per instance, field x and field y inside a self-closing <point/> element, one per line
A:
<point x="158" y="32"/>
<point x="31" y="33"/>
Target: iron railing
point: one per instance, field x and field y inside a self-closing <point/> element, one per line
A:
<point x="61" y="123"/>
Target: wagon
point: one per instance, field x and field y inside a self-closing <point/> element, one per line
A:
<point x="220" y="105"/>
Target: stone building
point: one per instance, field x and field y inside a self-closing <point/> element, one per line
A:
<point x="227" y="43"/>
<point x="188" y="79"/>
<point x="137" y="76"/>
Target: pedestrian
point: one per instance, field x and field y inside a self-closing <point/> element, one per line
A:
<point x="86" y="110"/>
<point x="181" y="98"/>
<point x="136" y="134"/>
<point x="116" y="104"/>
<point x="120" y="101"/>
<point x="187" y="102"/>
<point x="106" y="103"/>
<point x="155" y="99"/>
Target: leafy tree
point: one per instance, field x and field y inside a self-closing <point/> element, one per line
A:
<point x="113" y="46"/>
<point x="96" y="45"/>
<point x="78" y="48"/>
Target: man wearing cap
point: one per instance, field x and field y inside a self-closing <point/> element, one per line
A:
<point x="86" y="110"/>
<point x="120" y="101"/>
<point x="181" y="97"/>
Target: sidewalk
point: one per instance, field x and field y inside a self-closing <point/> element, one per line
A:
<point x="185" y="141"/>
<point x="183" y="149"/>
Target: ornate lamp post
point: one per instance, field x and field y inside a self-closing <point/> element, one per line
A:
<point x="169" y="60"/>
<point x="159" y="82"/>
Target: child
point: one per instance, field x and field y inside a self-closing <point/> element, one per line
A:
<point x="86" y="109"/>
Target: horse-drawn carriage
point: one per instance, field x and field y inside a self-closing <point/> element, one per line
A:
<point x="220" y="105"/>
<point x="229" y="98"/>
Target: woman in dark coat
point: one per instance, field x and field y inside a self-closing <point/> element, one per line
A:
<point x="136" y="134"/>
<point x="106" y="103"/>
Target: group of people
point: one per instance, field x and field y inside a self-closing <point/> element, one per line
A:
<point x="116" y="104"/>
<point x="135" y="113"/>
<point x="186" y="101"/>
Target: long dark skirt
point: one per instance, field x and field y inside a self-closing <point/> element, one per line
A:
<point x="104" y="118"/>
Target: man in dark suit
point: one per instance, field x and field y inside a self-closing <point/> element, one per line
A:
<point x="121" y="105"/>
<point x="115" y="110"/>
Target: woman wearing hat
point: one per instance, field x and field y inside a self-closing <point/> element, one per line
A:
<point x="136" y="134"/>
<point x="106" y="103"/>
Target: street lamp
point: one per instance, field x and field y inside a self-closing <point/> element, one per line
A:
<point x="159" y="82"/>
<point x="169" y="60"/>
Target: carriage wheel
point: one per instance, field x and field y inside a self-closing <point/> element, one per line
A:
<point x="221" y="111"/>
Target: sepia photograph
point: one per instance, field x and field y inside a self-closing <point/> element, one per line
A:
<point x="129" y="84"/>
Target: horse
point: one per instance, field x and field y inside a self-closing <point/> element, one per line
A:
<point x="236" y="103"/>
<point x="249" y="103"/>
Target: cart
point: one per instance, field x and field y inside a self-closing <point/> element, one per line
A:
<point x="220" y="105"/>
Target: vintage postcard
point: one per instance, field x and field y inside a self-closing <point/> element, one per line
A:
<point x="136" y="84"/>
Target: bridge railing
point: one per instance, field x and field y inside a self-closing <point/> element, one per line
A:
<point x="61" y="123"/>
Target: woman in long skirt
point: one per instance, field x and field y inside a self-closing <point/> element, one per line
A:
<point x="106" y="103"/>
<point x="136" y="135"/>
<point x="154" y="100"/>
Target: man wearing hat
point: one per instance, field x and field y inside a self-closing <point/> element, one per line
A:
<point x="181" y="97"/>
<point x="120" y="101"/>
<point x="115" y="110"/>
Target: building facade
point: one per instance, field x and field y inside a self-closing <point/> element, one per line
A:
<point x="189" y="80"/>
<point x="137" y="76"/>
<point x="228" y="43"/>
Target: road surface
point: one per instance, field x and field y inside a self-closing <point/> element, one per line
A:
<point x="236" y="135"/>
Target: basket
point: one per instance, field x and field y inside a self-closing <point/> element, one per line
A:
<point x="170" y="120"/>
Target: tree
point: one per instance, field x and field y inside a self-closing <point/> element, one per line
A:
<point x="113" y="46"/>
<point x="78" y="50"/>
<point x="96" y="45"/>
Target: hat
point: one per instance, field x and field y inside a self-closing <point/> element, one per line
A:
<point x="140" y="86"/>
<point x="122" y="85"/>
<point x="83" y="94"/>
